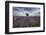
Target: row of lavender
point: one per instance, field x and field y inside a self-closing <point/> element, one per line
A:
<point x="26" y="21"/>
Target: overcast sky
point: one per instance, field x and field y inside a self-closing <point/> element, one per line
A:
<point x="21" y="11"/>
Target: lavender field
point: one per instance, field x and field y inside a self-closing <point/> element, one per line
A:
<point x="26" y="21"/>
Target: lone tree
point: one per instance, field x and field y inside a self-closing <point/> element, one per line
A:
<point x="27" y="14"/>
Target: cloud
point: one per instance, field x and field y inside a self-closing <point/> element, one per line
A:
<point x="21" y="11"/>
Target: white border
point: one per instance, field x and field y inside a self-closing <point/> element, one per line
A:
<point x="11" y="29"/>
